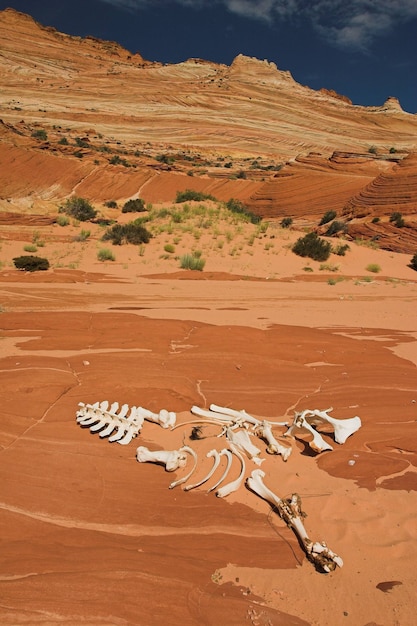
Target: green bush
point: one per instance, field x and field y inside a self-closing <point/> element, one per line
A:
<point x="168" y="247"/>
<point x="340" y="249"/>
<point x="30" y="247"/>
<point x="79" y="208"/>
<point x="327" y="217"/>
<point x="134" y="206"/>
<point x="286" y="222"/>
<point x="63" y="141"/>
<point x="413" y="262"/>
<point x="127" y="233"/>
<point x="111" y="204"/>
<point x="375" y="220"/>
<point x="40" y="134"/>
<point x="62" y="220"/>
<point x="336" y="227"/>
<point x="236" y="206"/>
<point x="373" y="267"/>
<point x="192" y="262"/>
<point x="312" y="246"/>
<point x="396" y="218"/>
<point x="104" y="254"/>
<point x="31" y="263"/>
<point x="191" y="194"/>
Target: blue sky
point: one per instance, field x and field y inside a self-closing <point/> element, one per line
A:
<point x="364" y="49"/>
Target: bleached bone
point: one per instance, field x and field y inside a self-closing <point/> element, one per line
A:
<point x="225" y="452"/>
<point x="290" y="511"/>
<point x="242" y="415"/>
<point x="241" y="440"/>
<point x="211" y="415"/>
<point x="164" y="418"/>
<point x="342" y="428"/>
<point x="226" y="490"/>
<point x="264" y="431"/>
<point x="318" y="444"/>
<point x="106" y="420"/>
<point x="172" y="459"/>
<point x="180" y="481"/>
<point x="216" y="456"/>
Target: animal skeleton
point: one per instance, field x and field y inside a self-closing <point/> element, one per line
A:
<point x="124" y="423"/>
<point x="290" y="511"/>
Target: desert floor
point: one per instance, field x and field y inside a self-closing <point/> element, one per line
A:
<point x="91" y="536"/>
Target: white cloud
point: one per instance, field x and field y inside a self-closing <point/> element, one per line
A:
<point x="344" y="23"/>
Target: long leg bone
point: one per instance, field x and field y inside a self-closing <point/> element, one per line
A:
<point x="226" y="490"/>
<point x="242" y="441"/>
<point x="290" y="511"/>
<point x="300" y="424"/>
<point x="172" y="459"/>
<point x="342" y="428"/>
<point x="216" y="456"/>
<point x="225" y="452"/>
<point x="212" y="415"/>
<point x="242" y="415"/>
<point x="185" y="478"/>
<point x="164" y="418"/>
<point x="264" y="431"/>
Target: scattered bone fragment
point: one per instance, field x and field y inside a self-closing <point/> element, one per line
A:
<point x="242" y="415"/>
<point x="300" y="426"/>
<point x="290" y="511"/>
<point x="172" y="459"/>
<point x="264" y="430"/>
<point x="241" y="439"/>
<point x="164" y="418"/>
<point x="342" y="428"/>
<point x="226" y="490"/>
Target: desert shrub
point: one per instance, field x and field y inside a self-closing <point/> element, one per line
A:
<point x="62" y="220"/>
<point x="191" y="194"/>
<point x="169" y="248"/>
<point x="192" y="262"/>
<point x="286" y="222"/>
<point x="336" y="227"/>
<point x="31" y="263"/>
<point x="340" y="249"/>
<point x="134" y="206"/>
<point x="372" y="150"/>
<point x="396" y="218"/>
<point x="413" y="262"/>
<point x="327" y="217"/>
<point x="127" y="233"/>
<point x="104" y="254"/>
<point x="79" y="208"/>
<point x="236" y="206"/>
<point x="83" y="235"/>
<point x="111" y="204"/>
<point x="81" y="143"/>
<point x="30" y="247"/>
<point x="164" y="158"/>
<point x="40" y="134"/>
<point x="63" y="141"/>
<point x="312" y="246"/>
<point x="373" y="267"/>
<point x="375" y="220"/>
<point x="392" y="150"/>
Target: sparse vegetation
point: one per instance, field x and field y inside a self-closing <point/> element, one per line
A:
<point x="375" y="220"/>
<point x="336" y="227"/>
<point x="40" y="134"/>
<point x="62" y="220"/>
<point x="413" y="262"/>
<point x="190" y="194"/>
<point x="373" y="267"/>
<point x="286" y="222"/>
<point x="340" y="249"/>
<point x="63" y="141"/>
<point x="111" y="204"/>
<point x="312" y="246"/>
<point x="169" y="248"/>
<point x="327" y="217"/>
<point x="104" y="254"/>
<point x="83" y="235"/>
<point x="372" y="150"/>
<point x="236" y="206"/>
<point x="133" y="233"/>
<point x="30" y="247"/>
<point x="79" y="208"/>
<point x="397" y="219"/>
<point x="136" y="205"/>
<point x="31" y="263"/>
<point x="192" y="262"/>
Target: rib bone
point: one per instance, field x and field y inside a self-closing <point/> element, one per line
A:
<point x="225" y="452"/>
<point x="226" y="490"/>
<point x="212" y="453"/>
<point x="185" y="478"/>
<point x="290" y="511"/>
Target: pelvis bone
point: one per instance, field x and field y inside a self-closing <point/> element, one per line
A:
<point x="305" y="421"/>
<point x="172" y="459"/>
<point x="290" y="511"/>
